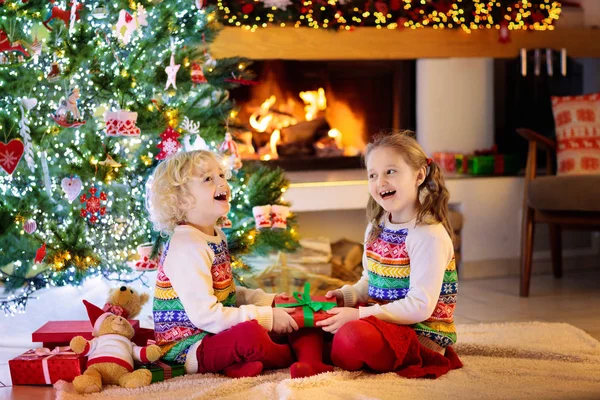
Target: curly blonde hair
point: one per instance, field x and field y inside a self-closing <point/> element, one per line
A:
<point x="167" y="196"/>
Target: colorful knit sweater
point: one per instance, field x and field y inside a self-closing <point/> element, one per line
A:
<point x="409" y="278"/>
<point x="195" y="294"/>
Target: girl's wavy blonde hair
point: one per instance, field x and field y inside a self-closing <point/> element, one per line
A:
<point x="167" y="196"/>
<point x="433" y="195"/>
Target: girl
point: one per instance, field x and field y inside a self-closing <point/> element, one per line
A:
<point x="409" y="276"/>
<point x="201" y="318"/>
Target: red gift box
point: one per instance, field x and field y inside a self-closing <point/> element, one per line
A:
<point x="309" y="308"/>
<point x="45" y="367"/>
<point x="60" y="333"/>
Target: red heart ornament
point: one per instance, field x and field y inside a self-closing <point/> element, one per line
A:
<point x="10" y="155"/>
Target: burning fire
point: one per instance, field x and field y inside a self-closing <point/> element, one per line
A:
<point x="265" y="119"/>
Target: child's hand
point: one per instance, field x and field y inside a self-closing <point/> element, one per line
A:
<point x="339" y="297"/>
<point x="341" y="315"/>
<point x="282" y="321"/>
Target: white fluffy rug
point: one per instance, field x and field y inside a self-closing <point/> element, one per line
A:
<point x="531" y="360"/>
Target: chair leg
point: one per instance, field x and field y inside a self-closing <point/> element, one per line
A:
<point x="556" y="249"/>
<point x="526" y="251"/>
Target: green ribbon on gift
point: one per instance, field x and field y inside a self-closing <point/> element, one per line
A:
<point x="309" y="307"/>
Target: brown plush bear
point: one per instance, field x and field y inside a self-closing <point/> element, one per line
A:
<point x="111" y="354"/>
<point x="125" y="302"/>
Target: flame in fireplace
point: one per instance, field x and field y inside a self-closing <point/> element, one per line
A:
<point x="315" y="101"/>
<point x="263" y="114"/>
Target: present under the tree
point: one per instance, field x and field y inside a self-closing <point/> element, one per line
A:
<point x="60" y="333"/>
<point x="162" y="371"/>
<point x="307" y="310"/>
<point x="44" y="366"/>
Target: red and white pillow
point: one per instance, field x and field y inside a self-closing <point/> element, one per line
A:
<point x="577" y="120"/>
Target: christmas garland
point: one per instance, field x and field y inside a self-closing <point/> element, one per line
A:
<point x="392" y="14"/>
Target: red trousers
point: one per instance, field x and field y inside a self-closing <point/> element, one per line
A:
<point x="245" y="342"/>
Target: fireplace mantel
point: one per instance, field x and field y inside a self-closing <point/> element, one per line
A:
<point x="384" y="44"/>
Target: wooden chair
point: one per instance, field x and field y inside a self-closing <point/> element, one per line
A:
<point x="565" y="201"/>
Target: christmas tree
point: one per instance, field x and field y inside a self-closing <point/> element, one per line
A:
<point x="94" y="95"/>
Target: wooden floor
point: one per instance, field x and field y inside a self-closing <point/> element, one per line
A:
<point x="574" y="299"/>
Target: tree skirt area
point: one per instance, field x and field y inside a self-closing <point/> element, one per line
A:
<point x="530" y="360"/>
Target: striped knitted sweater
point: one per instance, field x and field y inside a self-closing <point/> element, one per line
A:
<point x="410" y="278"/>
<point x="195" y="294"/>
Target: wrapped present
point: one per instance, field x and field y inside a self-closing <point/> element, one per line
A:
<point x="506" y="164"/>
<point x="143" y="337"/>
<point x="161" y="370"/>
<point x="481" y="165"/>
<point x="44" y="366"/>
<point x="308" y="310"/>
<point x="446" y="161"/>
<point x="462" y="163"/>
<point x="60" y="333"/>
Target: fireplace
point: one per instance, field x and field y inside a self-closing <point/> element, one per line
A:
<point x="319" y="115"/>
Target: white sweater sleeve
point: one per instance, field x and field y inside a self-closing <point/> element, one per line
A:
<point x="430" y="250"/>
<point x="359" y="292"/>
<point x="253" y="296"/>
<point x="188" y="267"/>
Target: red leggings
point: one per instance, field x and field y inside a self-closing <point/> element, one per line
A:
<point x="245" y="342"/>
<point x="357" y="344"/>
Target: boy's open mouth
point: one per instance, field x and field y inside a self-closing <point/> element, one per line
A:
<point x="221" y="196"/>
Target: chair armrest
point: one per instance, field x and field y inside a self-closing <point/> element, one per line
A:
<point x="543" y="141"/>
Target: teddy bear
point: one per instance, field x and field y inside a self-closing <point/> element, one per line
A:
<point x="111" y="353"/>
<point x="125" y="302"/>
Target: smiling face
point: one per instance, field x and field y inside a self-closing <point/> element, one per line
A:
<point x="211" y="194"/>
<point x="393" y="183"/>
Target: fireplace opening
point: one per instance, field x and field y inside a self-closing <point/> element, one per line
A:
<point x="306" y="115"/>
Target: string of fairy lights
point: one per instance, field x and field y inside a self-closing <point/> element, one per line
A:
<point x="467" y="15"/>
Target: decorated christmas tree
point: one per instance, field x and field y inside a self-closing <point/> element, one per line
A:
<point x="93" y="96"/>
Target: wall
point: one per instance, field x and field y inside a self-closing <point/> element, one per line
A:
<point x="455" y="104"/>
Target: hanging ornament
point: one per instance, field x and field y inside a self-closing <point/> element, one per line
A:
<point x="110" y="162"/>
<point x="54" y="73"/>
<point x="73" y="16"/>
<point x="24" y="130"/>
<point x="230" y="151"/>
<point x="127" y="23"/>
<point x="63" y="15"/>
<point x="67" y="114"/>
<point x="199" y="4"/>
<point x="169" y="143"/>
<point x="197" y="74"/>
<point x="72" y="187"/>
<point x="93" y="205"/>
<point x="10" y="155"/>
<point x="30" y="226"/>
<point x="40" y="254"/>
<point x="241" y="81"/>
<point x="192" y="128"/>
<point x="171" y="71"/>
<point x="504" y="34"/>
<point x="262" y="216"/>
<point x="100" y="13"/>
<point x="36" y="47"/>
<point x="121" y="123"/>
<point x="225" y="222"/>
<point x="7" y="47"/>
<point x="46" y="173"/>
<point x="279" y="216"/>
<point x="145" y="263"/>
<point x="280" y="4"/>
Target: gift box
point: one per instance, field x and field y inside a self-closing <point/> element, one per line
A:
<point x="506" y="164"/>
<point x="60" y="333"/>
<point x="481" y="165"/>
<point x="308" y="310"/>
<point x="162" y="370"/>
<point x="44" y="366"/>
<point x="446" y="161"/>
<point x="461" y="163"/>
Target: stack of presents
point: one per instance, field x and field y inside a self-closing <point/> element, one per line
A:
<point x="68" y="346"/>
<point x="481" y="163"/>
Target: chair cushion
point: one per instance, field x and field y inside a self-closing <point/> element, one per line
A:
<point x="577" y="121"/>
<point x="565" y="193"/>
